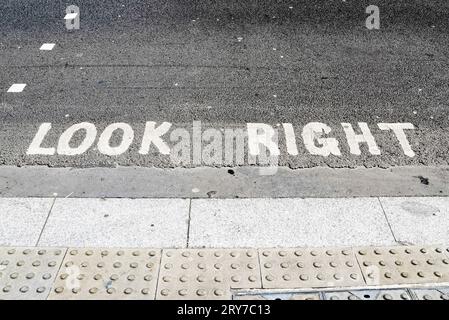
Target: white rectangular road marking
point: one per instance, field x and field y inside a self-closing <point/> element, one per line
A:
<point x="47" y="46"/>
<point x="70" y="16"/>
<point x="17" y="87"/>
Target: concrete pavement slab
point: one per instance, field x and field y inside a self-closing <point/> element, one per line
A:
<point x="117" y="222"/>
<point x="22" y="220"/>
<point x="418" y="220"/>
<point x="287" y="222"/>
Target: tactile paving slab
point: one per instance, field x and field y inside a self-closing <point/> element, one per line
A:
<point x="399" y="273"/>
<point x="383" y="294"/>
<point x="207" y="273"/>
<point x="404" y="265"/>
<point x="28" y="273"/>
<point x="309" y="268"/>
<point x="107" y="274"/>
<point x="431" y="294"/>
<point x="279" y="296"/>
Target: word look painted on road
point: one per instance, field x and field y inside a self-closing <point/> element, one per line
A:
<point x="217" y="146"/>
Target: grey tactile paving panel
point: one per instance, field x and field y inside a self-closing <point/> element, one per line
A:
<point x="107" y="274"/>
<point x="404" y="265"/>
<point x="309" y="268"/>
<point x="409" y="272"/>
<point x="390" y="294"/>
<point x="431" y="294"/>
<point x="279" y="296"/>
<point x="207" y="273"/>
<point x="28" y="273"/>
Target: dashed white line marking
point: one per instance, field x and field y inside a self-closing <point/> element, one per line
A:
<point x="47" y="46"/>
<point x="17" y="87"/>
<point x="70" y="16"/>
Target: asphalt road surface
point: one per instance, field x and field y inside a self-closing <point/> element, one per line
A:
<point x="226" y="64"/>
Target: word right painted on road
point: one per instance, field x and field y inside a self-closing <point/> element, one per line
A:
<point x="258" y="141"/>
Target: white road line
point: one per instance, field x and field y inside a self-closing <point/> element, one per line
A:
<point x="70" y="16"/>
<point x="17" y="87"/>
<point x="47" y="46"/>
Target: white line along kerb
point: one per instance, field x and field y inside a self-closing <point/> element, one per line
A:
<point x="17" y="87"/>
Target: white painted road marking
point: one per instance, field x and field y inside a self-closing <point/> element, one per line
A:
<point x="354" y="139"/>
<point x="105" y="138"/>
<point x="290" y="139"/>
<point x="17" y="87"/>
<point x="153" y="135"/>
<point x="398" y="129"/>
<point x="206" y="146"/>
<point x="315" y="143"/>
<point x="35" y="146"/>
<point x="261" y="133"/>
<point x="64" y="146"/>
<point x="47" y="46"/>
